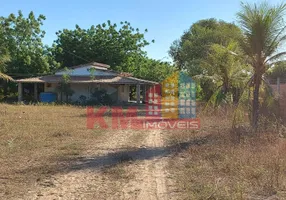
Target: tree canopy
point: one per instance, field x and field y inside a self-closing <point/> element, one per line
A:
<point x="23" y="37"/>
<point x="226" y="70"/>
<point x="121" y="47"/>
<point x="278" y="70"/>
<point x="203" y="51"/>
<point x="4" y="55"/>
<point x="147" y="68"/>
<point x="106" y="43"/>
<point x="193" y="46"/>
<point x="22" y="52"/>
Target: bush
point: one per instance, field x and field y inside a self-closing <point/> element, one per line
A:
<point x="82" y="100"/>
<point x="100" y="97"/>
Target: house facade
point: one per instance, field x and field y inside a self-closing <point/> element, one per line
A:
<point x="85" y="79"/>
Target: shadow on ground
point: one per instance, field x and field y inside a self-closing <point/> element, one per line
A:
<point x="145" y="153"/>
<point x="115" y="158"/>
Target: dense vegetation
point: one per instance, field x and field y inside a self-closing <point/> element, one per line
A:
<point x="224" y="59"/>
<point x="121" y="46"/>
<point x="229" y="60"/>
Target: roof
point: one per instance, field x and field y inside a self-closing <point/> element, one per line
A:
<point x="92" y="63"/>
<point x="95" y="65"/>
<point x="87" y="79"/>
<point x="110" y="78"/>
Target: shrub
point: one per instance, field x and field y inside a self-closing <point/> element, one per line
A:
<point x="100" y="97"/>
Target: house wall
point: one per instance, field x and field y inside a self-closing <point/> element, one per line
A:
<point x="51" y="87"/>
<point x="119" y="93"/>
<point x="123" y="93"/>
<point x="79" y="90"/>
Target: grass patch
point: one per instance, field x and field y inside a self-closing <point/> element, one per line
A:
<point x="72" y="149"/>
<point x="118" y="172"/>
<point x="222" y="167"/>
<point x="35" y="139"/>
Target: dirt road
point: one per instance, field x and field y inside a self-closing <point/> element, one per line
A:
<point x="150" y="181"/>
<point x="128" y="165"/>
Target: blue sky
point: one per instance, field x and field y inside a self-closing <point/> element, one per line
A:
<point x="165" y="20"/>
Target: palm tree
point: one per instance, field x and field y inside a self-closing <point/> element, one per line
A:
<point x="226" y="71"/>
<point x="263" y="29"/>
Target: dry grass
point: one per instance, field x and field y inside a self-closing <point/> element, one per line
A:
<point x="224" y="164"/>
<point x="36" y="140"/>
<point x="41" y="142"/>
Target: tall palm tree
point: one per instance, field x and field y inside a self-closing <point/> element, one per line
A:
<point x="263" y="28"/>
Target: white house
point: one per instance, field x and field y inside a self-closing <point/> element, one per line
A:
<point x="85" y="78"/>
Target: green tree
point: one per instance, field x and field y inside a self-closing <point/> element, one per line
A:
<point x="278" y="70"/>
<point x="106" y="43"/>
<point x="194" y="44"/>
<point x="226" y="71"/>
<point x="263" y="30"/>
<point x="146" y="68"/>
<point x="23" y="37"/>
<point x="191" y="50"/>
<point x="154" y="70"/>
<point x="64" y="86"/>
<point x="4" y="56"/>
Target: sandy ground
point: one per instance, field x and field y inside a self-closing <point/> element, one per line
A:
<point x="150" y="181"/>
<point x="130" y="165"/>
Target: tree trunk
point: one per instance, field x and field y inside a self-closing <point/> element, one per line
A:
<point x="255" y="102"/>
<point x="236" y="95"/>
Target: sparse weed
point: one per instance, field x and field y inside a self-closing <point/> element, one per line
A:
<point x="246" y="165"/>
